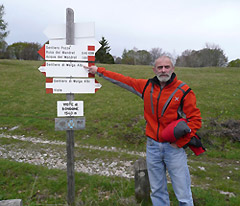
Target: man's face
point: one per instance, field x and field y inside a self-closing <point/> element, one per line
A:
<point x="163" y="69"/>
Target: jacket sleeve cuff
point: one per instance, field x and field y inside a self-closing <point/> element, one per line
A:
<point x="100" y="70"/>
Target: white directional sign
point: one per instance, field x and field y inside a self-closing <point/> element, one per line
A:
<point x="68" y="52"/>
<point x="78" y="41"/>
<point x="81" y="30"/>
<point x="72" y="85"/>
<point x="65" y="69"/>
<point x="69" y="108"/>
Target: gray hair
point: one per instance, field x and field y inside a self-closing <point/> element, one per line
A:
<point x="162" y="57"/>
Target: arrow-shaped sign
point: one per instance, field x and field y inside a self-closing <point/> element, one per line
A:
<point x="78" y="41"/>
<point x="68" y="52"/>
<point x="72" y="85"/>
<point x="65" y="69"/>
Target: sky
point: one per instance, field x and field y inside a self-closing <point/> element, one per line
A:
<point x="172" y="25"/>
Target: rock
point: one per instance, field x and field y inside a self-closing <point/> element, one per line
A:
<point x="15" y="202"/>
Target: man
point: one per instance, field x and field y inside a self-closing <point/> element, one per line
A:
<point x="162" y="97"/>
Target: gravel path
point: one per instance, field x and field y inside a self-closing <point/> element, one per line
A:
<point x="55" y="158"/>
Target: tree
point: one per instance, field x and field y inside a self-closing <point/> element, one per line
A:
<point x="185" y="59"/>
<point x="234" y="63"/>
<point x="103" y="54"/>
<point x="155" y="53"/>
<point x="118" y="60"/>
<point x="216" y="55"/>
<point x="30" y="51"/>
<point x="143" y="57"/>
<point x="23" y="50"/>
<point x="136" y="57"/>
<point x="3" y="25"/>
<point x="129" y="57"/>
<point x="14" y="51"/>
<point x="3" y="33"/>
<point x="3" y="48"/>
<point x="210" y="56"/>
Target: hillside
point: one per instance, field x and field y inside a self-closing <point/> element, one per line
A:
<point x="113" y="139"/>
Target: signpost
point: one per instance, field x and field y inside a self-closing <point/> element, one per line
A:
<point x="71" y="47"/>
<point x="70" y="133"/>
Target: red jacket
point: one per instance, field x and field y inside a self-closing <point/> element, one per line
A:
<point x="156" y="113"/>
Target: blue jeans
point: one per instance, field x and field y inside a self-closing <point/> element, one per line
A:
<point x="162" y="156"/>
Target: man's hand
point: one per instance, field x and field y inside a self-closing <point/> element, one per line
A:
<point x="92" y="69"/>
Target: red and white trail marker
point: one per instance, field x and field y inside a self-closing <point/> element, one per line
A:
<point x="65" y="69"/>
<point x="68" y="52"/>
<point x="65" y="63"/>
<point x="72" y="85"/>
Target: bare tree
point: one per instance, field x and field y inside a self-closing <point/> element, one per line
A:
<point x="210" y="56"/>
<point x="155" y="53"/>
<point x="136" y="57"/>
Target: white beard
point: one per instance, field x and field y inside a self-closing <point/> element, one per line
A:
<point x="164" y="79"/>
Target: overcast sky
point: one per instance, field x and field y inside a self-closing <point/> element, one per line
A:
<point x="173" y="25"/>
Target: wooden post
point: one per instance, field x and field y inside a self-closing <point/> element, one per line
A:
<point x="142" y="185"/>
<point x="70" y="133"/>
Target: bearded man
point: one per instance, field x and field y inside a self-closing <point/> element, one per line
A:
<point x="166" y="99"/>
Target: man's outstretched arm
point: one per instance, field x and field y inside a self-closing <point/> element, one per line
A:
<point x="131" y="84"/>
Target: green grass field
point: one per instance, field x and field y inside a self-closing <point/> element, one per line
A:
<point x="114" y="118"/>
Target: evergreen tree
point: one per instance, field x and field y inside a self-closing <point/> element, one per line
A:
<point x="3" y="33"/>
<point x="103" y="54"/>
<point x="3" y="25"/>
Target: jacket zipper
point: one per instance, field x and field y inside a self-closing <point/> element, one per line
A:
<point x="157" y="113"/>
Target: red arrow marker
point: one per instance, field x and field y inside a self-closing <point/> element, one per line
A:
<point x="42" y="52"/>
<point x="49" y="80"/>
<point x="49" y="91"/>
<point x="91" y="48"/>
<point x="91" y="58"/>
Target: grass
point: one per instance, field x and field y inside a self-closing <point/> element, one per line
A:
<point x="36" y="185"/>
<point x="114" y="118"/>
